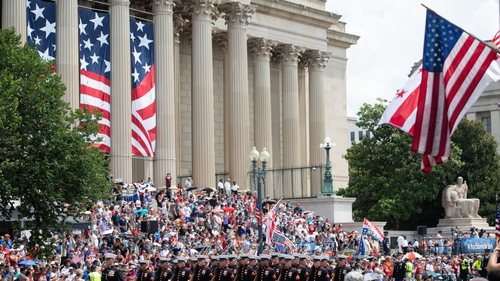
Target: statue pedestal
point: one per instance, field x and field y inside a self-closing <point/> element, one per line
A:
<point x="336" y="208"/>
<point x="463" y="223"/>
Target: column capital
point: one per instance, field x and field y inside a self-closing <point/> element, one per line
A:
<point x="316" y="60"/>
<point x="261" y="48"/>
<point x="204" y="9"/>
<point x="289" y="54"/>
<point x="187" y="29"/>
<point x="163" y="7"/>
<point x="221" y="39"/>
<point x="237" y="14"/>
<point x="119" y="2"/>
<point x="302" y="66"/>
<point x="179" y="23"/>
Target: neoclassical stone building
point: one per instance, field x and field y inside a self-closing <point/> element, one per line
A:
<point x="229" y="75"/>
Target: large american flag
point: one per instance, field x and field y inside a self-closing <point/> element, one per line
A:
<point x="439" y="93"/>
<point x="41" y="27"/>
<point x="95" y="70"/>
<point x="455" y="71"/>
<point x="143" y="89"/>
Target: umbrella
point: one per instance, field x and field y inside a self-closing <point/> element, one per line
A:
<point x="162" y="187"/>
<point x="191" y="188"/>
<point x="106" y="232"/>
<point x="173" y="189"/>
<point x="141" y="212"/>
<point x="208" y="190"/>
<point x="150" y="188"/>
<point x="299" y="220"/>
<point x="268" y="201"/>
<point x="228" y="209"/>
<point x="412" y="256"/>
<point x="250" y="192"/>
<point x="217" y="211"/>
<point x="307" y="212"/>
<point x="27" y="262"/>
<point x="137" y="238"/>
<point x="349" y="251"/>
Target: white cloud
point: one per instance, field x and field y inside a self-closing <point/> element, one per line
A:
<point x="391" y="40"/>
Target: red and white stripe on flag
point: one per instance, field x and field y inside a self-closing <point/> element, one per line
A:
<point x="497" y="221"/>
<point x="456" y="68"/>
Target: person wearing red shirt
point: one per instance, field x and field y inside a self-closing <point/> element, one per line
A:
<point x="418" y="270"/>
<point x="387" y="267"/>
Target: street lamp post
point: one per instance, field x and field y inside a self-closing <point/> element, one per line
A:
<point x="327" y="189"/>
<point x="259" y="176"/>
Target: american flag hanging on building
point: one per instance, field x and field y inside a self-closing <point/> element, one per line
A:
<point x="95" y="70"/>
<point x="41" y="27"/>
<point x="143" y="89"/>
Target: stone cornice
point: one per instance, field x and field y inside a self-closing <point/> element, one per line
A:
<point x="296" y="12"/>
<point x="341" y="39"/>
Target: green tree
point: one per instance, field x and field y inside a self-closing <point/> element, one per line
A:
<point x="47" y="162"/>
<point x="385" y="176"/>
<point x="481" y="167"/>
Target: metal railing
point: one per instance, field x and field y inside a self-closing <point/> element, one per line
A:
<point x="281" y="182"/>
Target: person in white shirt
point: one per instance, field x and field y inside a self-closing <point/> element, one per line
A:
<point x="227" y="186"/>
<point x="400" y="243"/>
<point x="220" y="187"/>
<point x="235" y="188"/>
<point x="404" y="245"/>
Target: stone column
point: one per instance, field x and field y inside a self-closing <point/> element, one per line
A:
<point x="317" y="61"/>
<point x="304" y="129"/>
<point x="178" y="24"/>
<point x="67" y="56"/>
<point x="261" y="50"/>
<point x="121" y="92"/>
<point x="165" y="153"/>
<point x="202" y="96"/>
<point x="236" y="16"/>
<point x="495" y="123"/>
<point x="289" y="55"/>
<point x="221" y="39"/>
<point x="14" y="14"/>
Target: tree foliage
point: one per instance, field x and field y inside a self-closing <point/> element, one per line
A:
<point x="47" y="162"/>
<point x="385" y="176"/>
<point x="481" y="164"/>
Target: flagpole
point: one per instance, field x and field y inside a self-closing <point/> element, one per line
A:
<point x="490" y="46"/>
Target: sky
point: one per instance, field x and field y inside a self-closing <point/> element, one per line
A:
<point x="392" y="33"/>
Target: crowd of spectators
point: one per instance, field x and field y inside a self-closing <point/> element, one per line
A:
<point x="138" y="223"/>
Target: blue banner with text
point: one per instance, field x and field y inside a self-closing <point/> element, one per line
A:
<point x="477" y="245"/>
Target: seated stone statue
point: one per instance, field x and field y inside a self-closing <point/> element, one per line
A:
<point x="455" y="201"/>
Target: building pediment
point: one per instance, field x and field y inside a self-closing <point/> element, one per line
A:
<point x="341" y="39"/>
